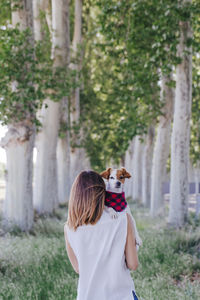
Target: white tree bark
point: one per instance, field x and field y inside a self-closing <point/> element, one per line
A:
<point x="147" y="167"/>
<point x="197" y="179"/>
<point x="137" y="169"/>
<point x="77" y="39"/>
<point x="41" y="6"/>
<point x="78" y="157"/>
<point x="18" y="143"/>
<point x="162" y="147"/>
<point x="46" y="179"/>
<point x="37" y="7"/>
<point x="60" y="32"/>
<point x="23" y="16"/>
<point x="181" y="130"/>
<point x="75" y="162"/>
<point x="63" y="147"/>
<point x="197" y="191"/>
<point x="128" y="166"/>
<point x="18" y="207"/>
<point x="46" y="190"/>
<point x="63" y="154"/>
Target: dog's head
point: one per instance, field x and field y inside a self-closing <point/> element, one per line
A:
<point x="116" y="179"/>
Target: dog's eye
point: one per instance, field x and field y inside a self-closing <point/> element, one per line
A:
<point x="111" y="177"/>
<point x="121" y="177"/>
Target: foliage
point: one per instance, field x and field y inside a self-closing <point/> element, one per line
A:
<point x="5" y="11"/>
<point x="18" y="80"/>
<point x="28" y="76"/>
<point x="126" y="46"/>
<point x="131" y="44"/>
<point x="195" y="120"/>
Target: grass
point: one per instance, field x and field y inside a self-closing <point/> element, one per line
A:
<point x="35" y="266"/>
<point x="169" y="260"/>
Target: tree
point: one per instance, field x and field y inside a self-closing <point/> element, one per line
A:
<point x="130" y="168"/>
<point x="162" y="146"/>
<point x="181" y="126"/>
<point x="137" y="168"/>
<point x="147" y="166"/>
<point x="46" y="180"/>
<point x="63" y="147"/>
<point x="129" y="47"/>
<point x="19" y="100"/>
<point x="78" y="159"/>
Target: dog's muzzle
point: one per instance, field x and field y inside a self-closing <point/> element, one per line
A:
<point x="118" y="184"/>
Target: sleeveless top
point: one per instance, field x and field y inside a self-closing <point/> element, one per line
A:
<point x="99" y="249"/>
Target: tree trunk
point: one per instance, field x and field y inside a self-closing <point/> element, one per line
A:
<point x="78" y="158"/>
<point x="162" y="148"/>
<point x="18" y="207"/>
<point x="37" y="7"/>
<point x="181" y="131"/>
<point x="128" y="166"/>
<point x="46" y="182"/>
<point x="41" y="6"/>
<point x="18" y="143"/>
<point x="63" y="147"/>
<point x="23" y="15"/>
<point x="147" y="167"/>
<point x="44" y="167"/>
<point x="197" y="190"/>
<point x="137" y="169"/>
<point x="63" y="154"/>
<point x="77" y="38"/>
<point x="46" y="190"/>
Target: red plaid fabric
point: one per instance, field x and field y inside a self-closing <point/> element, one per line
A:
<point x="116" y="201"/>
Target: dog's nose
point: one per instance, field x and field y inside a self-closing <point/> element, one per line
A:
<point x="118" y="183"/>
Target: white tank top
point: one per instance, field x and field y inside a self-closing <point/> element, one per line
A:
<point x="99" y="248"/>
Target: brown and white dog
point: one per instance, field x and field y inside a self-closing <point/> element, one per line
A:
<point x="115" y="184"/>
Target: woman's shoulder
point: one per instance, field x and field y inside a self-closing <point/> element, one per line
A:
<point x="66" y="228"/>
<point x="106" y="218"/>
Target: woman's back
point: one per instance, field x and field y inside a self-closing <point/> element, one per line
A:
<point x="99" y="248"/>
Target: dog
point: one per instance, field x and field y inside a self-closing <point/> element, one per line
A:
<point x="115" y="188"/>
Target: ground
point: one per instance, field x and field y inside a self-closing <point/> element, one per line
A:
<point x="35" y="266"/>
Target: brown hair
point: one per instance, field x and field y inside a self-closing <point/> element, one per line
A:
<point x="86" y="201"/>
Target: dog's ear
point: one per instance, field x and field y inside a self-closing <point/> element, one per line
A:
<point x="125" y="173"/>
<point x="106" y="174"/>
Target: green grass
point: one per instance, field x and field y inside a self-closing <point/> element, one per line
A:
<point x="35" y="266"/>
<point x="169" y="260"/>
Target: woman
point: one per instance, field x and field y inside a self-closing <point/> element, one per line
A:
<point x="101" y="250"/>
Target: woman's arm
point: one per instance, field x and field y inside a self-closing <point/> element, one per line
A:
<point x="71" y="255"/>
<point x="130" y="247"/>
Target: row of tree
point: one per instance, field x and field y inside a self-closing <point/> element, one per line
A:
<point x="98" y="78"/>
<point x="153" y="57"/>
<point x="39" y="75"/>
